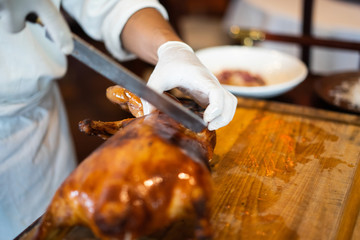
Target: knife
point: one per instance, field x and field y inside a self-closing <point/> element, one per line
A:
<point x="113" y="71"/>
<point x="110" y="69"/>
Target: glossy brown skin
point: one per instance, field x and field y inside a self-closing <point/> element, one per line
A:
<point x="127" y="100"/>
<point x="103" y="130"/>
<point x="151" y="172"/>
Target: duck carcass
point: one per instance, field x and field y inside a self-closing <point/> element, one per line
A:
<point x="149" y="172"/>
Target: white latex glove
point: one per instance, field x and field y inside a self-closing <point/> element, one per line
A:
<point x="178" y="66"/>
<point x="14" y="12"/>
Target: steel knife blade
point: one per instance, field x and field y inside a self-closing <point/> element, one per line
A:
<point x="113" y="71"/>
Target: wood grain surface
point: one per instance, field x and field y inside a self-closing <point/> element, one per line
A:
<point x="284" y="172"/>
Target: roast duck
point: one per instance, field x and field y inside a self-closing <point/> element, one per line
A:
<point x="148" y="173"/>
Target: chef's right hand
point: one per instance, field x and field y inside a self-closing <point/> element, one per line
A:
<point x="14" y="12"/>
<point x="179" y="67"/>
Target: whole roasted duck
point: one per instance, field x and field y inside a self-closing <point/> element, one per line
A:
<point x="150" y="172"/>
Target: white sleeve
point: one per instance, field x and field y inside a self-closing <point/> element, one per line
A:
<point x="104" y="20"/>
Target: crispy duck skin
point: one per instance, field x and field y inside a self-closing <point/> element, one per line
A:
<point x="150" y="173"/>
<point x="103" y="130"/>
<point x="126" y="100"/>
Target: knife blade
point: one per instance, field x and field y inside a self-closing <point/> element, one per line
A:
<point x="113" y="71"/>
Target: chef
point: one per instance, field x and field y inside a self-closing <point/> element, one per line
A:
<point x="36" y="152"/>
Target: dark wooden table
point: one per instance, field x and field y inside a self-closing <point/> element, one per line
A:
<point x="305" y="95"/>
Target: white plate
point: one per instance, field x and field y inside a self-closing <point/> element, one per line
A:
<point x="280" y="71"/>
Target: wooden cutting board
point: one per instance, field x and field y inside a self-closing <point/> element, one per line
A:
<point x="285" y="172"/>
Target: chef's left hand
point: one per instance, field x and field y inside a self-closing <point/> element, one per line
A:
<point x="178" y="66"/>
<point x="14" y="12"/>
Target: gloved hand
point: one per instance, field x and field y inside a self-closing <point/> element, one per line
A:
<point x="178" y="66"/>
<point x="14" y="12"/>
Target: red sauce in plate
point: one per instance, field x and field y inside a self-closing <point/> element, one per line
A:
<point x="240" y="78"/>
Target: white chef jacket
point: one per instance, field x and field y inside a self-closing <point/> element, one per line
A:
<point x="36" y="151"/>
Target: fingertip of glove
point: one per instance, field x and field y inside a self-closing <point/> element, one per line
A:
<point x="212" y="126"/>
<point x="67" y="48"/>
<point x="212" y="112"/>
